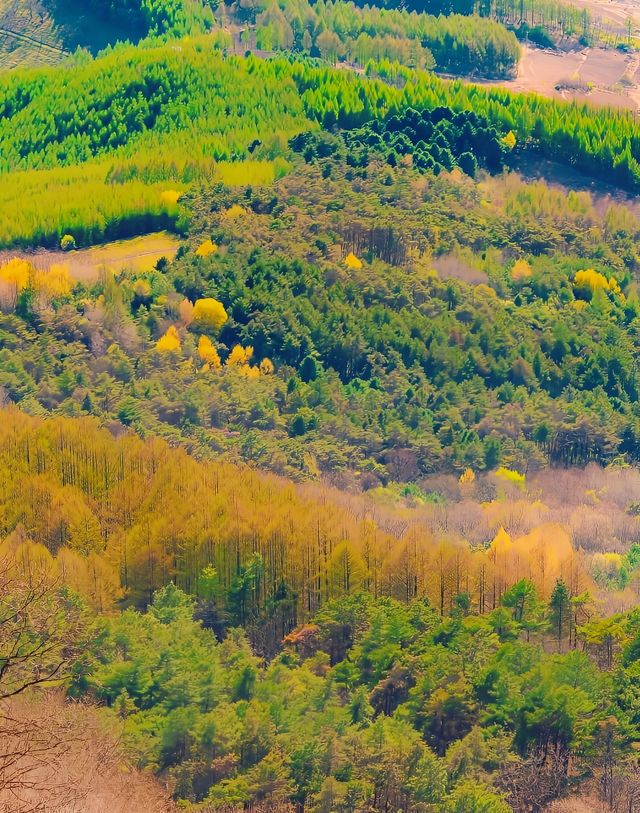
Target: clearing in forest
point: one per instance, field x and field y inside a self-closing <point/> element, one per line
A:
<point x="85" y="265"/>
<point x="600" y="76"/>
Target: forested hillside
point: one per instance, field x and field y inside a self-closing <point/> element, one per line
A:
<point x="336" y="507"/>
<point x="393" y="639"/>
<point x="110" y="131"/>
<point x="377" y="302"/>
<point x="342" y="31"/>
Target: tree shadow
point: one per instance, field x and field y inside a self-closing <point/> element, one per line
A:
<point x="80" y="26"/>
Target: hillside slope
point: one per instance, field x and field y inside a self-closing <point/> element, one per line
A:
<point x="43" y="32"/>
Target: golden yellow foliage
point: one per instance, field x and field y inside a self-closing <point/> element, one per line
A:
<point x="352" y="262"/>
<point x="206" y="249"/>
<point x="170" y="197"/>
<point x="170" y="342"/>
<point x="467" y="477"/>
<point x="266" y="367"/>
<point x="509" y="140"/>
<point x="208" y="353"/>
<point x="209" y="313"/>
<point x="55" y="282"/>
<point x="234" y="212"/>
<point x="172" y="525"/>
<point x="19" y="274"/>
<point x="16" y="273"/>
<point x="501" y="542"/>
<point x="239" y="356"/>
<point x="249" y="371"/>
<point x="521" y="271"/>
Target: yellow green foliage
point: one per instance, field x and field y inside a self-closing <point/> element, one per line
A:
<point x="40" y="206"/>
<point x="170" y="342"/>
<point x="235" y="211"/>
<point x="251" y="173"/>
<point x="209" y="313"/>
<point x="511" y="476"/>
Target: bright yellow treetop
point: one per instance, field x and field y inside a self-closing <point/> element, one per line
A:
<point x="170" y="197"/>
<point x="209" y="313"/>
<point x="240" y="356"/>
<point x="352" y="262"/>
<point x="208" y="353"/>
<point x="509" y="140"/>
<point x="595" y="281"/>
<point x="170" y="342"/>
<point x="206" y="249"/>
<point x="16" y="273"/>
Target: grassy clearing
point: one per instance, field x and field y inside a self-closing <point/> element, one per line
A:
<point x="137" y="254"/>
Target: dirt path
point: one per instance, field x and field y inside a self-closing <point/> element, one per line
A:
<point x="29" y="40"/>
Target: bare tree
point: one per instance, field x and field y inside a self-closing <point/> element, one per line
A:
<point x="40" y="632"/>
<point x="59" y="758"/>
<point x="530" y="784"/>
<point x="40" y="628"/>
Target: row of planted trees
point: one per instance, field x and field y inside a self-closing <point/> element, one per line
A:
<point x="124" y="517"/>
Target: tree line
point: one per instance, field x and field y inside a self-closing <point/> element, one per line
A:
<point x="344" y="31"/>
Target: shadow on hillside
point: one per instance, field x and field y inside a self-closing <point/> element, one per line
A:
<point x="78" y="25"/>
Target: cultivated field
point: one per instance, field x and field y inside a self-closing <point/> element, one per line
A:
<point x="604" y="77"/>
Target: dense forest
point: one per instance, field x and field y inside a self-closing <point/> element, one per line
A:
<point x="415" y="666"/>
<point x="63" y="118"/>
<point x="335" y="508"/>
<point x="109" y="131"/>
<point x="376" y="316"/>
